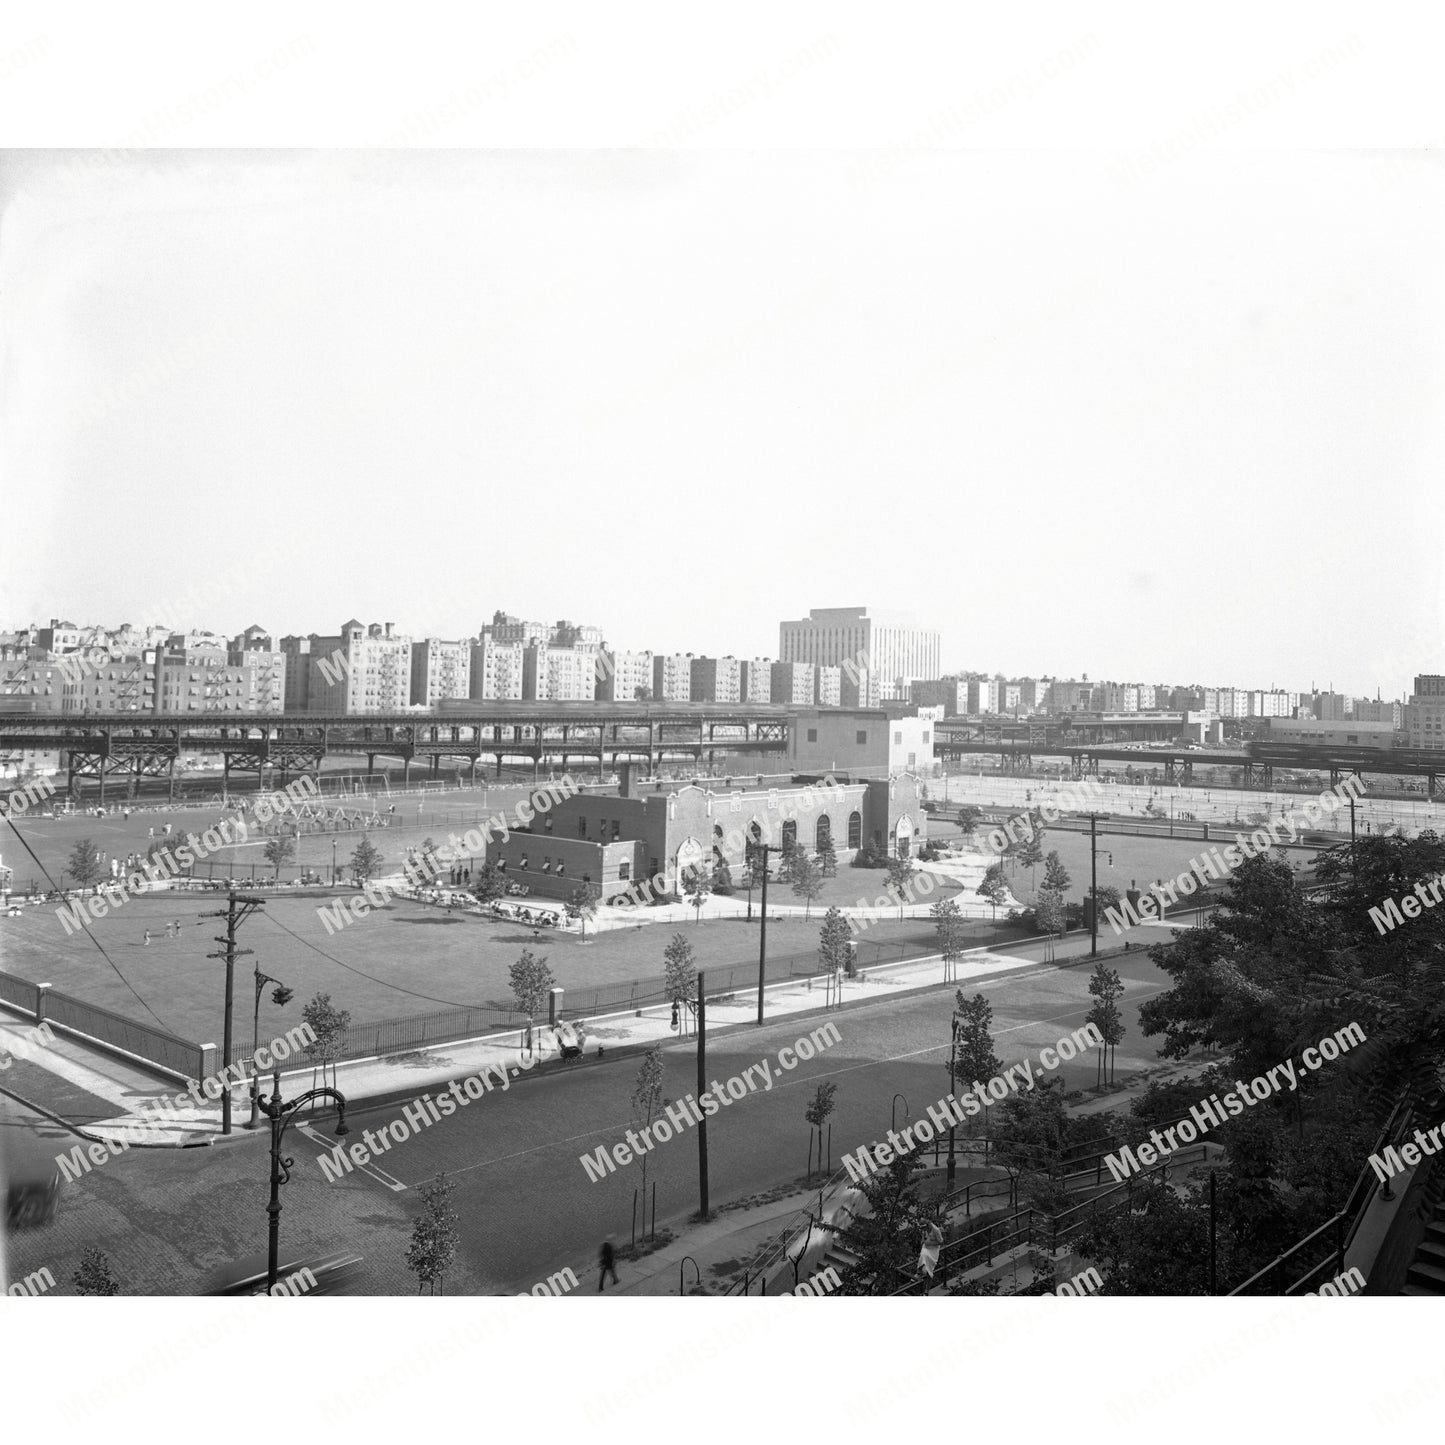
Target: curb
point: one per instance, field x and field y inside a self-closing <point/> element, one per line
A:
<point x="96" y="1138"/>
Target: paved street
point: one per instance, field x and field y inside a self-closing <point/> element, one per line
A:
<point x="526" y="1205"/>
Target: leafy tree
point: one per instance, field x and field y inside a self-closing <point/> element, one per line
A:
<point x="679" y="976"/>
<point x="993" y="888"/>
<point x="489" y="883"/>
<point x="1056" y="876"/>
<point x="948" y="928"/>
<point x="279" y="851"/>
<point x="1031" y="853"/>
<point x="532" y="983"/>
<point x="807" y="881"/>
<point x="787" y="860"/>
<point x="834" y="938"/>
<point x="816" y="1114"/>
<point x="1049" y="911"/>
<point x="722" y="877"/>
<point x="329" y="1025"/>
<point x="1029" y="1131"/>
<point x="641" y="693"/>
<point x="647" y="1099"/>
<point x="900" y="873"/>
<point x="1106" y="989"/>
<point x="885" y="1241"/>
<point x="828" y="854"/>
<point x="434" y="1237"/>
<point x="968" y="818"/>
<point x="366" y="861"/>
<point x="582" y="904"/>
<point x="83" y="865"/>
<point x="94" y="1276"/>
<point x="697" y="887"/>
<point x="972" y="1059"/>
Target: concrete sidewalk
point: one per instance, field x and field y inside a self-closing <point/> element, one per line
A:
<point x="502" y="1056"/>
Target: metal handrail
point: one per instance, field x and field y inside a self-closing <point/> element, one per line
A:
<point x="1351" y="1214"/>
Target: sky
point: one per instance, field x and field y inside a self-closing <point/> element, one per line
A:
<point x="1179" y="422"/>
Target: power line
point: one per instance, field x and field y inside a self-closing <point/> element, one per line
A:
<point x="84" y="924"/>
<point x="451" y="1003"/>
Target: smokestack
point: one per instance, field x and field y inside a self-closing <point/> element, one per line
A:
<point x="624" y="780"/>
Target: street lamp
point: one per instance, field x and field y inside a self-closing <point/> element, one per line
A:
<point x="281" y="1116"/>
<point x="952" y="1083"/>
<point x="893" y="1110"/>
<point x="333" y="862"/>
<point x="281" y="997"/>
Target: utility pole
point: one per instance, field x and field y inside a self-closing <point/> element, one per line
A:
<point x="239" y="907"/>
<point x="762" y="850"/>
<point x="1093" y="884"/>
<point x="701" y="1090"/>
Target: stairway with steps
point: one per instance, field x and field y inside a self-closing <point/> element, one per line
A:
<point x="1426" y="1275"/>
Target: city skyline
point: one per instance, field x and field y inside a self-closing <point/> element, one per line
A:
<point x="224" y="302"/>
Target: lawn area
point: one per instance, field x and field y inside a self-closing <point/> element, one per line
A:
<point x="406" y="958"/>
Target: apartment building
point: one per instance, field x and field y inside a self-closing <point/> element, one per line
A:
<point x="496" y="670"/>
<point x="363" y="669"/>
<point x="892" y="651"/>
<point x="623" y="676"/>
<point x="715" y="679"/>
<point x="755" y="680"/>
<point x="792" y="682"/>
<point x="672" y="676"/>
<point x="440" y="670"/>
<point x="558" y="674"/>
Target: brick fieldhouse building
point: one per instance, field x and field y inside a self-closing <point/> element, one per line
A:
<point x="618" y="843"/>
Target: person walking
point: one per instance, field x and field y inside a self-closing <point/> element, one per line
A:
<point x="607" y="1260"/>
<point x="146" y="941"/>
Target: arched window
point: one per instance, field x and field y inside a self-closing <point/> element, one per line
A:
<point x="790" y="833"/>
<point x="855" y="830"/>
<point x="822" y="833"/>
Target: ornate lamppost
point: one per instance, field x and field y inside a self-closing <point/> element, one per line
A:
<point x="281" y="1116"/>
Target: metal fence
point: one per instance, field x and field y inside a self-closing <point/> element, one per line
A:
<point x="19" y="994"/>
<point x="418" y="1031"/>
<point x="167" y="1051"/>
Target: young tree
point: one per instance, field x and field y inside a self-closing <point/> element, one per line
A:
<point x="807" y="881"/>
<point x="948" y="929"/>
<point x="828" y="854"/>
<point x="971" y="1058"/>
<point x="834" y="940"/>
<point x="532" y="982"/>
<point x="488" y="883"/>
<point x="647" y="1100"/>
<point x="993" y="888"/>
<point x="885" y="1241"/>
<point x="1049" y="912"/>
<point x="787" y="860"/>
<point x="94" y="1276"/>
<point x="900" y="873"/>
<point x="722" y="877"/>
<point x="1029" y="1131"/>
<point x="1056" y="876"/>
<point x="434" y="1237"/>
<point x="968" y="819"/>
<point x="679" y="976"/>
<point x="83" y="865"/>
<point x="819" y="1107"/>
<point x="329" y="1025"/>
<point x="1106" y="989"/>
<point x="582" y="904"/>
<point x="697" y="888"/>
<point x="366" y="861"/>
<point x="279" y="851"/>
<point x="1031" y="853"/>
